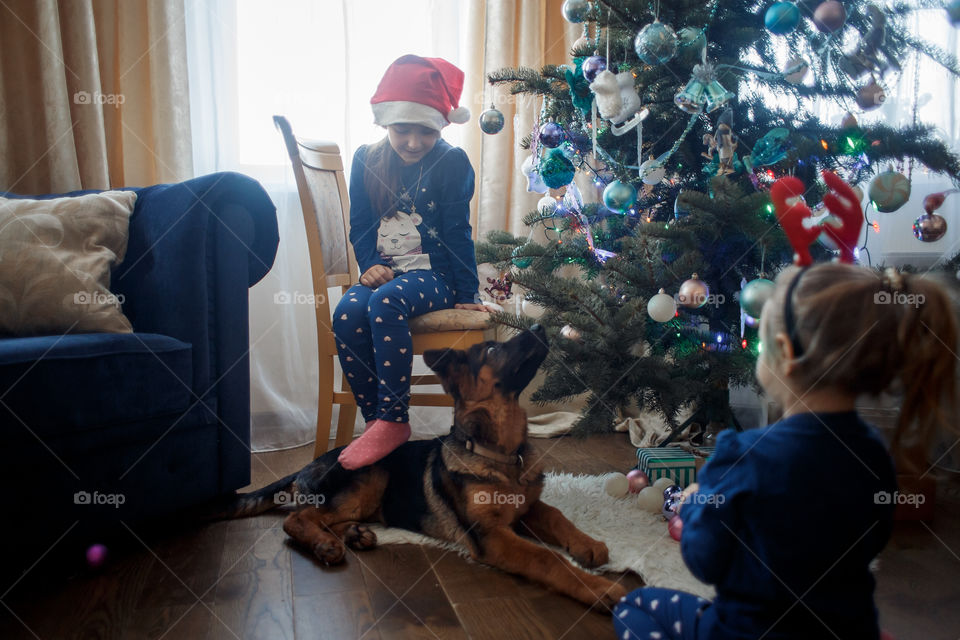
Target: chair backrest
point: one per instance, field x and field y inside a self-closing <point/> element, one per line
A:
<point x="318" y="169"/>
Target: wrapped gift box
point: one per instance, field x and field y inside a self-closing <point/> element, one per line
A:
<point x="673" y="462"/>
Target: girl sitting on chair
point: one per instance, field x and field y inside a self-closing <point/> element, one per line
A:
<point x="410" y="230"/>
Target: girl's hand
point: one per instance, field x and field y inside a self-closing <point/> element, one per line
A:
<point x="472" y="307"/>
<point x="376" y="275"/>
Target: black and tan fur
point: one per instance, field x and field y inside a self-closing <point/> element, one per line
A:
<point x="435" y="486"/>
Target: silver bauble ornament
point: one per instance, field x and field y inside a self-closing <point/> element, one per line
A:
<point x="929" y="227"/>
<point x="576" y="10"/>
<point x="693" y="293"/>
<point x="830" y="16"/>
<point x="754" y="294"/>
<point x="662" y="307"/>
<point x="656" y="43"/>
<point x="871" y="95"/>
<point x="491" y="120"/>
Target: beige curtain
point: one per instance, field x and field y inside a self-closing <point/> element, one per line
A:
<point x="93" y="94"/>
<point x="508" y="33"/>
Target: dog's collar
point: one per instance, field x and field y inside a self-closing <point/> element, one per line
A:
<point x="471" y="445"/>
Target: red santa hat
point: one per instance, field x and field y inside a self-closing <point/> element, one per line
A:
<point x="423" y="91"/>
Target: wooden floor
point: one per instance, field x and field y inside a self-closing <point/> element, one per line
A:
<point x="242" y="579"/>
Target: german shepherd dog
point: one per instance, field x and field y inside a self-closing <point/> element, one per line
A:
<point x="478" y="486"/>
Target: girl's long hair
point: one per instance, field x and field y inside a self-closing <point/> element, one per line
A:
<point x="863" y="332"/>
<point x="381" y="177"/>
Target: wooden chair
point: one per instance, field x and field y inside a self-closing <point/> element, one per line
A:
<point x="318" y="169"/>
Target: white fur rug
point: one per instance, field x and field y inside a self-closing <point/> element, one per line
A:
<point x="638" y="540"/>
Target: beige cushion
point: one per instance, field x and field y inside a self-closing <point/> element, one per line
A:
<point x="55" y="260"/>
<point x="449" y="320"/>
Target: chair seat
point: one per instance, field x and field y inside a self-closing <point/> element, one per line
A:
<point x="450" y="320"/>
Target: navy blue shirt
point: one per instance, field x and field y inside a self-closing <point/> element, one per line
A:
<point x="432" y="227"/>
<point x="799" y="518"/>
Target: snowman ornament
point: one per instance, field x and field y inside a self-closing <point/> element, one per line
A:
<point x="617" y="100"/>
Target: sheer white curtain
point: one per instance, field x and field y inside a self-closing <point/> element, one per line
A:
<point x="318" y="63"/>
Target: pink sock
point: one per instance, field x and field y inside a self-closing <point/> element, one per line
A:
<point x="377" y="441"/>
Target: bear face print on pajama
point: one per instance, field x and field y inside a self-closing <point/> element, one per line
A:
<point x="398" y="242"/>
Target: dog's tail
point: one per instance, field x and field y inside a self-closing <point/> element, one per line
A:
<point x="244" y="505"/>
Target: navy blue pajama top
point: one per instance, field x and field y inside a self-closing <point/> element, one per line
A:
<point x="800" y="519"/>
<point x="432" y="227"/>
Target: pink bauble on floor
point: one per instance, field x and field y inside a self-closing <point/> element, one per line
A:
<point x="675" y="527"/>
<point x="96" y="556"/>
<point x="638" y="480"/>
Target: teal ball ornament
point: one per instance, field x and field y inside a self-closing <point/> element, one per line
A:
<point x="576" y="11"/>
<point x="754" y="295"/>
<point x="619" y="196"/>
<point x="491" y="121"/>
<point x="889" y="191"/>
<point x="782" y="18"/>
<point x="953" y="12"/>
<point x="680" y="210"/>
<point x="556" y="170"/>
<point x="656" y="43"/>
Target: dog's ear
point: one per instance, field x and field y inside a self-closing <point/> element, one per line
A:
<point x="448" y="364"/>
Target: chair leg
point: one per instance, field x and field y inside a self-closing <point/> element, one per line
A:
<point x="324" y="406"/>
<point x="348" y="416"/>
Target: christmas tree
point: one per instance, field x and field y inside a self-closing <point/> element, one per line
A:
<point x="684" y="113"/>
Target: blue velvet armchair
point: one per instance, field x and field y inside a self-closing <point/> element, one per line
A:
<point x="105" y="426"/>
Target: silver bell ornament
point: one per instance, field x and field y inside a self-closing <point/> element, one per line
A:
<point x="703" y="91"/>
<point x="491" y="120"/>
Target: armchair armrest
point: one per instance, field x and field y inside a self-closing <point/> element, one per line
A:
<point x="195" y="248"/>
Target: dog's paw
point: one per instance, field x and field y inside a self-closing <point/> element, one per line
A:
<point x="329" y="551"/>
<point x="360" y="537"/>
<point x="603" y="595"/>
<point x="590" y="553"/>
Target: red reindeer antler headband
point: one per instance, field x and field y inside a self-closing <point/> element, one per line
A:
<point x="843" y="227"/>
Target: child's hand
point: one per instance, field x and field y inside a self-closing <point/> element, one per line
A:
<point x="471" y="307"/>
<point x="376" y="275"/>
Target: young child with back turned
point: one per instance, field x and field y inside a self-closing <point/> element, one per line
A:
<point x="806" y="501"/>
<point x="410" y="230"/>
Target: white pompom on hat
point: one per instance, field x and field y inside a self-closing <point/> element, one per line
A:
<point x="423" y="91"/>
